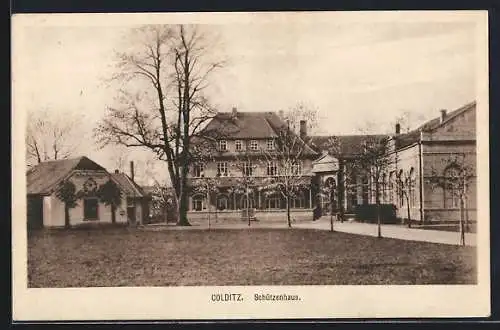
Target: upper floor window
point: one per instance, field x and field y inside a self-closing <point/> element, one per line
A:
<point x="254" y="145"/>
<point x="247" y="169"/>
<point x="272" y="169"/>
<point x="270" y="144"/>
<point x="198" y="170"/>
<point x="238" y="145"/>
<point x="222" y="145"/>
<point x="222" y="169"/>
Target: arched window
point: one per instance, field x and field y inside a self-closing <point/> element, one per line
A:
<point x="411" y="188"/>
<point x="391" y="188"/>
<point x="222" y="202"/>
<point x="298" y="202"/>
<point x="451" y="188"/>
<point x="247" y="202"/>
<point x="197" y="203"/>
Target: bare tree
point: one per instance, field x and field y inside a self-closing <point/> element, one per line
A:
<point x="285" y="162"/>
<point x="406" y="184"/>
<point x="161" y="104"/>
<point x="51" y="137"/>
<point x="371" y="163"/>
<point x="245" y="184"/>
<point x="455" y="180"/>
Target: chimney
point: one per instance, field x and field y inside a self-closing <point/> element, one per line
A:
<point x="303" y="129"/>
<point x="234" y="112"/>
<point x="443" y="115"/>
<point x="117" y="171"/>
<point x="132" y="170"/>
<point x="398" y="128"/>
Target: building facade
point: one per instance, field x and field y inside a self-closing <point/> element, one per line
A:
<point x="245" y="159"/>
<point x="46" y="209"/>
<point x="233" y="178"/>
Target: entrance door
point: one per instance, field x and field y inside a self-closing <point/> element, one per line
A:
<point x="35" y="212"/>
<point x="131" y="214"/>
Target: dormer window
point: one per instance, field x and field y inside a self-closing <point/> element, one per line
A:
<point x="222" y="145"/>
<point x="238" y="145"/>
<point x="270" y="144"/>
<point x="254" y="145"/>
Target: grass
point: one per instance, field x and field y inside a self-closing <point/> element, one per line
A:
<point x="134" y="257"/>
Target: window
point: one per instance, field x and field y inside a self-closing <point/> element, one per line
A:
<point x="222" y="169"/>
<point x="238" y="145"/>
<point x="391" y="188"/>
<point x="222" y="145"/>
<point x="411" y="189"/>
<point x="91" y="209"/>
<point x="197" y="203"/>
<point x="297" y="203"/>
<point x="451" y="188"/>
<point x="247" y="169"/>
<point x="273" y="203"/>
<point x="297" y="168"/>
<point x="247" y="202"/>
<point x="222" y="203"/>
<point x="270" y="144"/>
<point x="254" y="145"/>
<point x="198" y="170"/>
<point x="272" y="169"/>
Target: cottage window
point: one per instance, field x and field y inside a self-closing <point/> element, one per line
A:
<point x="91" y="209"/>
<point x="198" y="170"/>
<point x="222" y="169"/>
<point x="197" y="203"/>
<point x="270" y="144"/>
<point x="238" y="145"/>
<point x="222" y="145"/>
<point x="222" y="203"/>
<point x="272" y="169"/>
<point x="254" y="145"/>
<point x="247" y="169"/>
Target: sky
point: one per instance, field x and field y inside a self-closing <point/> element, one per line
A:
<point x="352" y="72"/>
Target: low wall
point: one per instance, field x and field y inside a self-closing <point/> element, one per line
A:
<point x="447" y="216"/>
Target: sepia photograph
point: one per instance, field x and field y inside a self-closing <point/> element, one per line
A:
<point x="316" y="163"/>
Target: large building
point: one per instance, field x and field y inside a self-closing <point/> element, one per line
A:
<point x="418" y="156"/>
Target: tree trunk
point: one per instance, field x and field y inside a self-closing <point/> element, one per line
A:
<point x="113" y="213"/>
<point x="379" y="230"/>
<point x="66" y="216"/>
<point x="462" y="232"/>
<point x="289" y="220"/>
<point x="331" y="212"/>
<point x="183" y="206"/>
<point x="408" y="210"/>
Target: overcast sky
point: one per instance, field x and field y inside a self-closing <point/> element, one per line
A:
<point x="353" y="72"/>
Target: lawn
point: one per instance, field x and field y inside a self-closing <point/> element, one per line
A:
<point x="135" y="257"/>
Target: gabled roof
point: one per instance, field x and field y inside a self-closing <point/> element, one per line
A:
<point x="348" y="145"/>
<point x="130" y="188"/>
<point x="42" y="178"/>
<point x="432" y="125"/>
<point x="243" y="125"/>
<point x="246" y="125"/>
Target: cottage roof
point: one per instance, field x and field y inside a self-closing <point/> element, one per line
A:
<point x="411" y="137"/>
<point x="130" y="188"/>
<point x="42" y="178"/>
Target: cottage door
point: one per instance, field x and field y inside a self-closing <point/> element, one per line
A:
<point x="131" y="215"/>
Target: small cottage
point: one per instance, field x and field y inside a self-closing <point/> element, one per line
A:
<point x="77" y="191"/>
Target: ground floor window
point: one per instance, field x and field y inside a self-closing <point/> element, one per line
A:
<point x="91" y="209"/>
<point x="222" y="202"/>
<point x="273" y="203"/>
<point x="247" y="202"/>
<point x="197" y="203"/>
<point x="297" y="203"/>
